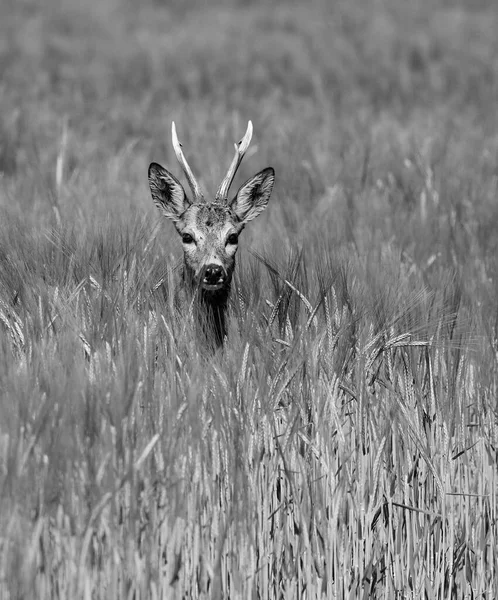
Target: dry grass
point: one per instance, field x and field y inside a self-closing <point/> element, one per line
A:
<point x="343" y="445"/>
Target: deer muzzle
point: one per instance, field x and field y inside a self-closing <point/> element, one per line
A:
<point x="213" y="277"/>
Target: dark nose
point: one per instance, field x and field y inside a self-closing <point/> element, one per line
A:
<point x="213" y="274"/>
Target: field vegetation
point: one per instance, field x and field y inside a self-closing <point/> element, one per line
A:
<point x="344" y="443"/>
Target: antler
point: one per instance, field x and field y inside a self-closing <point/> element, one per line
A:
<point x="194" y="186"/>
<point x="240" y="150"/>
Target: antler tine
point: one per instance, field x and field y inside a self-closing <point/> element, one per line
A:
<point x="240" y="150"/>
<point x="194" y="186"/>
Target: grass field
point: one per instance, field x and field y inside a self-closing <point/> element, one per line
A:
<point x="345" y="442"/>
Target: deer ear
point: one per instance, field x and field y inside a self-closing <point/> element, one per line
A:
<point x="253" y="196"/>
<point x="167" y="192"/>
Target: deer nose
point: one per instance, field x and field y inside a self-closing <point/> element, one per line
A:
<point x="213" y="274"/>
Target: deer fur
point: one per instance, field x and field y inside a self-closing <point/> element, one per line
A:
<point x="209" y="231"/>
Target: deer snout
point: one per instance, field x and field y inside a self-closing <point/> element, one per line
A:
<point x="214" y="276"/>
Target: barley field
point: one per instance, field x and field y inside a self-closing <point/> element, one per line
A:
<point x="344" y="442"/>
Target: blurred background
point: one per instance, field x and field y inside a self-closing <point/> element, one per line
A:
<point x="338" y="91"/>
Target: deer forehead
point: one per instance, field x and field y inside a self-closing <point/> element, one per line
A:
<point x="210" y="219"/>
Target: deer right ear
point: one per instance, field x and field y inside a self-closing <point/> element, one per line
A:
<point x="253" y="196"/>
<point x="167" y="192"/>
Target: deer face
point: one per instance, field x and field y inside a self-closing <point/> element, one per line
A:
<point x="210" y="230"/>
<point x="210" y="234"/>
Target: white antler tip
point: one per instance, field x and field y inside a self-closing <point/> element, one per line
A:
<point x="246" y="140"/>
<point x="174" y="136"/>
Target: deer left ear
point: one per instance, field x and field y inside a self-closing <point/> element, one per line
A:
<point x="253" y="196"/>
<point x="167" y="192"/>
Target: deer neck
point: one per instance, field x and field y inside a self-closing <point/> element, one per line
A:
<point x="209" y="309"/>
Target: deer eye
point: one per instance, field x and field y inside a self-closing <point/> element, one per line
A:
<point x="187" y="238"/>
<point x="233" y="238"/>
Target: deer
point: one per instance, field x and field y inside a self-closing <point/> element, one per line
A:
<point x="209" y="231"/>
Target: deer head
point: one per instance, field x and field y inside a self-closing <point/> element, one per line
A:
<point x="210" y="229"/>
